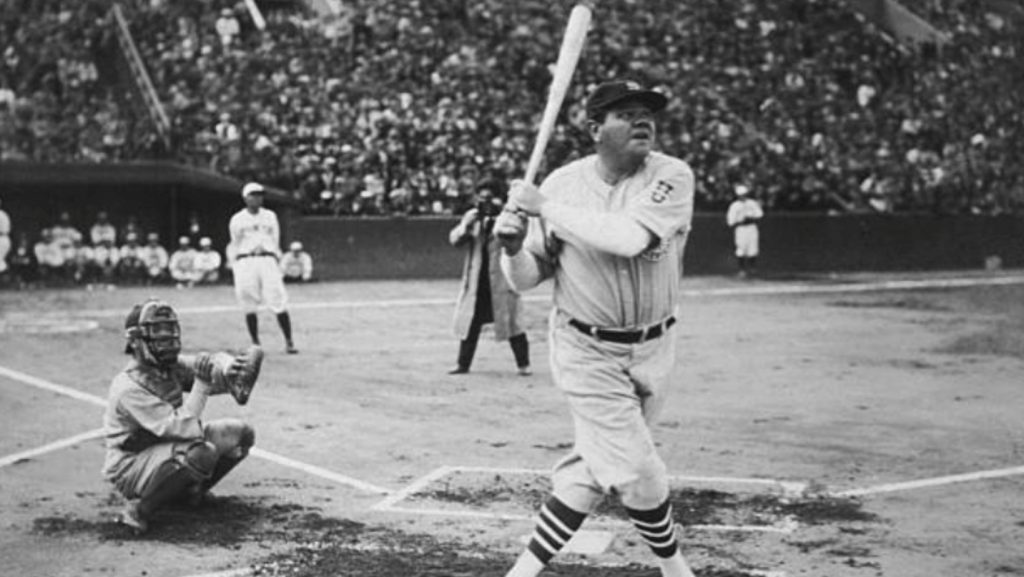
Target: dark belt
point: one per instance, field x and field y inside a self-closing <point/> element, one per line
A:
<point x="247" y="255"/>
<point x="624" y="336"/>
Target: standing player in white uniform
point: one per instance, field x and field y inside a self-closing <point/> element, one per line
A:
<point x="615" y="225"/>
<point x="255" y="250"/>
<point x="742" y="217"/>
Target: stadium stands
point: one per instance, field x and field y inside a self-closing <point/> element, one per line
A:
<point x="403" y="106"/>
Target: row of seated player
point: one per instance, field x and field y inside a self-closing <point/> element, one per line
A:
<point x="52" y="263"/>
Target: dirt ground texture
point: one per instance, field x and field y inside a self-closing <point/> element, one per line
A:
<point x="804" y="413"/>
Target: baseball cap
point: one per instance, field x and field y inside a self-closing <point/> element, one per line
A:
<point x="205" y="241"/>
<point x="252" y="188"/>
<point x="610" y="93"/>
<point x="183" y="240"/>
<point x="295" y="245"/>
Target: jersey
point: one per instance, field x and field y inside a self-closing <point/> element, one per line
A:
<point x="606" y="290"/>
<point x="255" y="233"/>
<point x="145" y="408"/>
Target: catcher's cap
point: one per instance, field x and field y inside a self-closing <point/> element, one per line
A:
<point x="253" y="188"/>
<point x="616" y="92"/>
<point x="205" y="241"/>
<point x="295" y="245"/>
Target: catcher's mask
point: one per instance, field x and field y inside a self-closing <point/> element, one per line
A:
<point x="153" y="332"/>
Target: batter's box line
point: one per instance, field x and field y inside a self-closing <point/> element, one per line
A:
<point x="391" y="504"/>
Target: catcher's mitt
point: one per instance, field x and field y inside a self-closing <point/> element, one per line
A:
<point x="227" y="373"/>
<point x="241" y="374"/>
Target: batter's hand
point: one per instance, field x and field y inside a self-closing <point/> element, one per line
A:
<point x="510" y="228"/>
<point x="525" y="197"/>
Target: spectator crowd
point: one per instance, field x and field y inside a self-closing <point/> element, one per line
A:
<point x="405" y="107"/>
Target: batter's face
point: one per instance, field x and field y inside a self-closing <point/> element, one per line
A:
<point x="628" y="130"/>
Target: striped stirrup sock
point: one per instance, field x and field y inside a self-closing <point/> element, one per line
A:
<point x="556" y="525"/>
<point x="657" y="529"/>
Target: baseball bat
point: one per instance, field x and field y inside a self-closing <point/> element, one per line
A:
<point x="568" y="56"/>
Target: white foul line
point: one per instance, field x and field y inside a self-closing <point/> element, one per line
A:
<point x="414" y="487"/>
<point x="257" y="452"/>
<point x="318" y="471"/>
<point x="86" y="436"/>
<point x="933" y="482"/>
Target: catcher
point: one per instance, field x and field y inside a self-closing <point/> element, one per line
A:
<point x="158" y="447"/>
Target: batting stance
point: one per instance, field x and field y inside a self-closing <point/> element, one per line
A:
<point x="614" y="228"/>
<point x="254" y="251"/>
<point x="157" y="446"/>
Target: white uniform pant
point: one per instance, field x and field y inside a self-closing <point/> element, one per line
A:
<point x="614" y="392"/>
<point x="5" y="247"/>
<point x="258" y="280"/>
<point x="747" y="241"/>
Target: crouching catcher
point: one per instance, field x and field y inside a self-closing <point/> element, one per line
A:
<point x="159" y="449"/>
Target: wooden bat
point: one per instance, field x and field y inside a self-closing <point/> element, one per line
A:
<point x="568" y="56"/>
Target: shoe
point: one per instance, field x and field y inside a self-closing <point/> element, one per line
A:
<point x="130" y="517"/>
<point x="524" y="371"/>
<point x="459" y="371"/>
<point x="291" y="350"/>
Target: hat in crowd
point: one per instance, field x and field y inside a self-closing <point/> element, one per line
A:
<point x="742" y="190"/>
<point x="295" y="246"/>
<point x="616" y="92"/>
<point x="152" y="236"/>
<point x="205" y="241"/>
<point x="253" y="188"/>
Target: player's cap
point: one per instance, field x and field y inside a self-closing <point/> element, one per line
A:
<point x="152" y="236"/>
<point x="205" y="241"/>
<point x="183" y="240"/>
<point x="616" y="92"/>
<point x="295" y="246"/>
<point x="253" y="188"/>
<point x="742" y="190"/>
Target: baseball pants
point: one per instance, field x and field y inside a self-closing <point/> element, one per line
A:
<point x="614" y="392"/>
<point x="258" y="280"/>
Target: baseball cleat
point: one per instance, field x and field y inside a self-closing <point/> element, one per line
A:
<point x="291" y="350"/>
<point x="524" y="371"/>
<point x="458" y="371"/>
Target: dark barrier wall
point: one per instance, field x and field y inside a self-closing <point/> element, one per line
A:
<point x="790" y="243"/>
<point x="160" y="195"/>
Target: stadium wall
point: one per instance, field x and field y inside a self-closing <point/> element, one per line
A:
<point x="399" y="248"/>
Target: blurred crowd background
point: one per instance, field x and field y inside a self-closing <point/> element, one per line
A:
<point x="407" y="107"/>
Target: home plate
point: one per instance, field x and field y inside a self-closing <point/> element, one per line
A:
<point x="584" y="542"/>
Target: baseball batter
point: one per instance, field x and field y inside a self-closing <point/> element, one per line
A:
<point x="611" y="231"/>
<point x="255" y="251"/>
<point x="743" y="216"/>
<point x="158" y="448"/>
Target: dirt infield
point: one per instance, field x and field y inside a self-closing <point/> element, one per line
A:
<point x="847" y="426"/>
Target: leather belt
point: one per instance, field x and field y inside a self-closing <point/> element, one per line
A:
<point x="251" y="254"/>
<point x="624" y="336"/>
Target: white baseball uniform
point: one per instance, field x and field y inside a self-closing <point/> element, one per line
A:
<point x="615" y="388"/>
<point x="742" y="214"/>
<point x="5" y="239"/>
<point x="255" y="246"/>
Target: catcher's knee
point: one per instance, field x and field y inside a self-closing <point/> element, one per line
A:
<point x="200" y="458"/>
<point x="232" y="437"/>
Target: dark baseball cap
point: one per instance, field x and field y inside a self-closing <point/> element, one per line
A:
<point x="610" y="93"/>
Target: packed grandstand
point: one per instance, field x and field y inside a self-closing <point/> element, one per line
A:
<point x="405" y="107"/>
